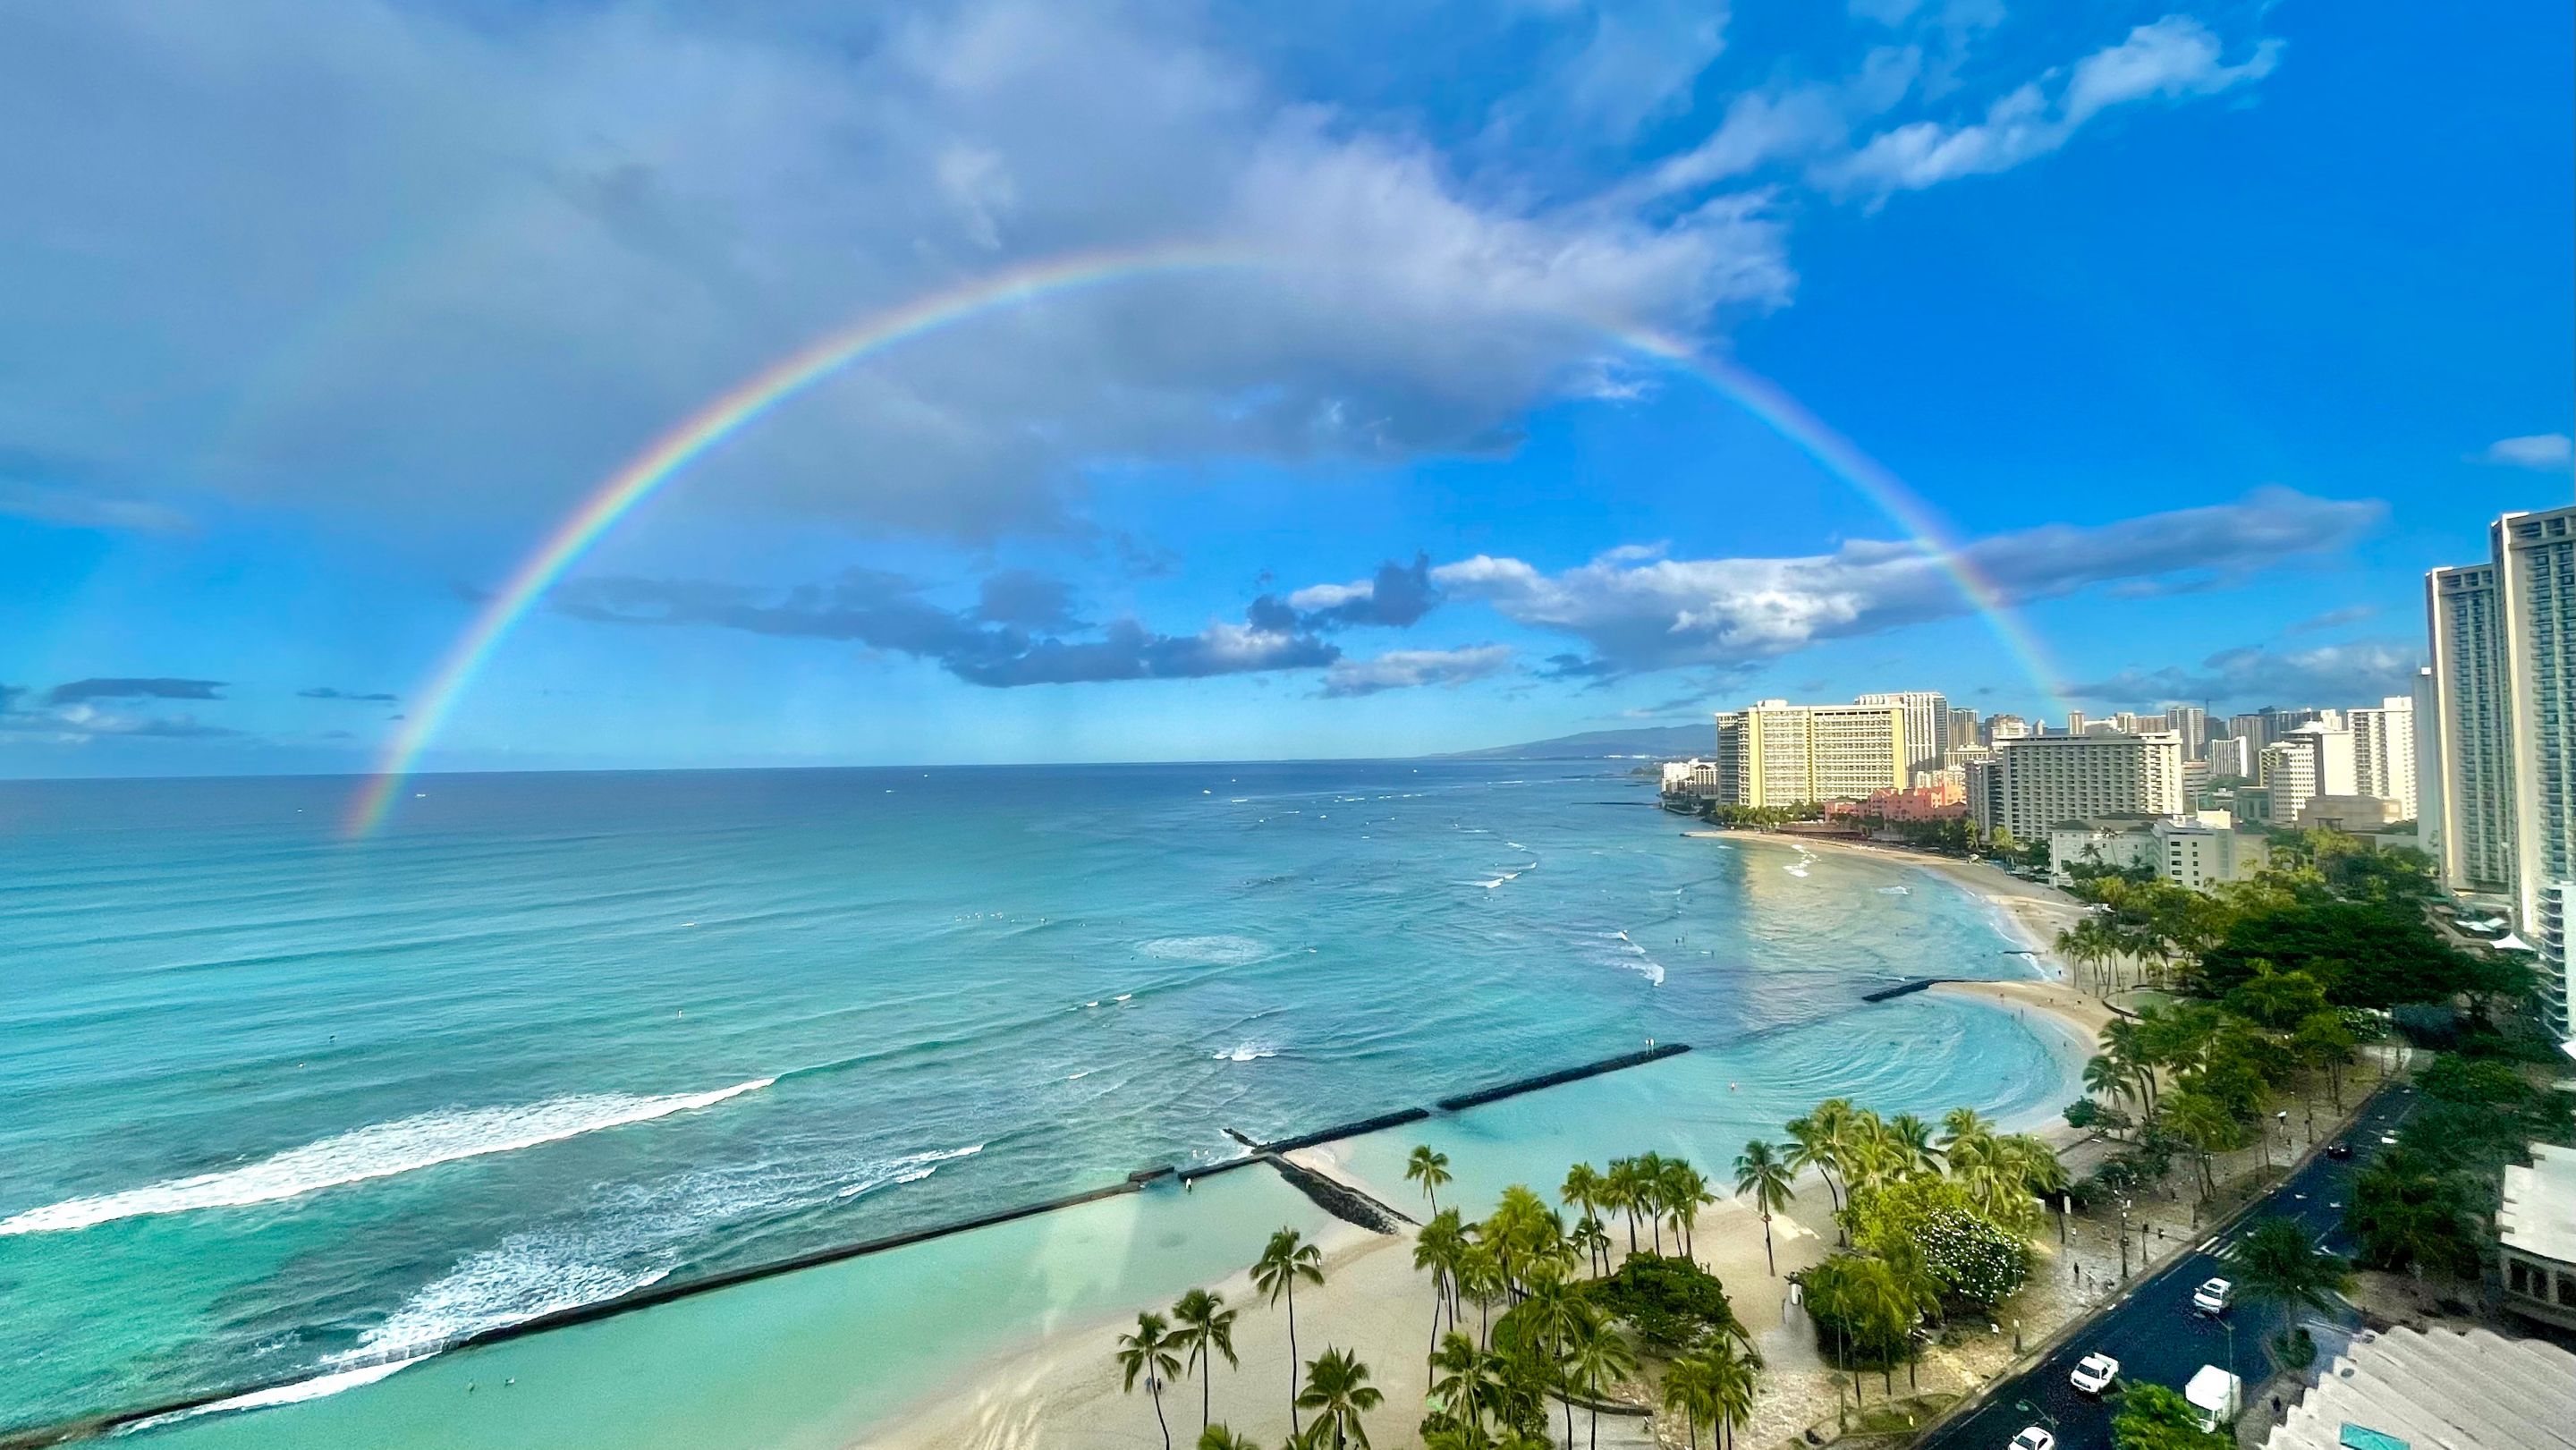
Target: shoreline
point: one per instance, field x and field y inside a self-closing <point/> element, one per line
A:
<point x="1060" y="1388"/>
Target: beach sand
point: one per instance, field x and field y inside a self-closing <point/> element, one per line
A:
<point x="1064" y="1390"/>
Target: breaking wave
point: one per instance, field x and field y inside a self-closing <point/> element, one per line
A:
<point x="380" y="1150"/>
<point x="1220" y="950"/>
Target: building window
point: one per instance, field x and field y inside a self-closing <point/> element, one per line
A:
<point x="2518" y="1274"/>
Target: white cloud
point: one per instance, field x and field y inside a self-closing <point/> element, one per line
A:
<point x="386" y="256"/>
<point x="2334" y="674"/>
<point x="2550" y="451"/>
<point x="2173" y="59"/>
<point x="1405" y="669"/>
<point x="1637" y="611"/>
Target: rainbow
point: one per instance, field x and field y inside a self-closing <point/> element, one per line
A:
<point x="753" y="398"/>
<point x="729" y="413"/>
<point x="1839" y="456"/>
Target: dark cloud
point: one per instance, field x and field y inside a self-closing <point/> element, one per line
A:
<point x="888" y="612"/>
<point x="2334" y="619"/>
<point x="1639" y="610"/>
<point x="2340" y="674"/>
<point x="1398" y="595"/>
<point x="1028" y="599"/>
<point x="325" y="692"/>
<point x="133" y="689"/>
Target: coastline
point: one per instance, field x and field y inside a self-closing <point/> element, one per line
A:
<point x="1062" y="1388"/>
<point x="2030" y="912"/>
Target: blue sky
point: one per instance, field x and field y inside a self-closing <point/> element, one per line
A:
<point x="2207" y="327"/>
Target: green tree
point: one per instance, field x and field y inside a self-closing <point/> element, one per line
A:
<point x="2151" y="1417"/>
<point x="2405" y="1214"/>
<point x="1148" y="1352"/>
<point x="1429" y="1169"/>
<point x="1686" y="1388"/>
<point x="1581" y="1190"/>
<point x="1205" y="1331"/>
<point x="1730" y="1382"/>
<point x="1219" y="1437"/>
<point x="1438" y="1246"/>
<point x="1598" y="1355"/>
<point x="2275" y="1262"/>
<point x="1761" y="1175"/>
<point x="1286" y="1259"/>
<point x="1469" y="1382"/>
<point x="1337" y="1389"/>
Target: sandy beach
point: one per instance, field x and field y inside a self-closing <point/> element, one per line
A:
<point x="1063" y="1390"/>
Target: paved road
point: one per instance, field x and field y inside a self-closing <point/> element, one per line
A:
<point x="2154" y="1333"/>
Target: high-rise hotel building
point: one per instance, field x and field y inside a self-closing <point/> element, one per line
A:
<point x="2044" y="780"/>
<point x="2503" y="635"/>
<point x="1927" y="722"/>
<point x="1779" y="754"/>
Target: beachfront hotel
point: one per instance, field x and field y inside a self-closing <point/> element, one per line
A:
<point x="2035" y="783"/>
<point x="1779" y="754"/>
<point x="2503" y="637"/>
<point x="1927" y="722"/>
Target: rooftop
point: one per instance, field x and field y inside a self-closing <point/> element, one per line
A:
<point x="2539" y="1213"/>
<point x="2438" y="1390"/>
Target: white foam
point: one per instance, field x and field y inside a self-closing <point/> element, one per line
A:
<point x="308" y="1389"/>
<point x="1248" y="1052"/>
<point x="1221" y="950"/>
<point x="1637" y="960"/>
<point x="524" y="1276"/>
<point x="911" y="1168"/>
<point x="1896" y="891"/>
<point x="379" y="1150"/>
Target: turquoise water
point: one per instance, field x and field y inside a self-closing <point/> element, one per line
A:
<point x="295" y="1105"/>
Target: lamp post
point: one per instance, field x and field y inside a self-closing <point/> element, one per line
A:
<point x="2124" y="1238"/>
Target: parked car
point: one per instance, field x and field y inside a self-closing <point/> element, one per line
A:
<point x="2034" y="1438"/>
<point x="2213" y="1297"/>
<point x="2095" y="1374"/>
<point x="2338" y="1149"/>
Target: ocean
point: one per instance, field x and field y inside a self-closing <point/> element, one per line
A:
<point x="280" y="1106"/>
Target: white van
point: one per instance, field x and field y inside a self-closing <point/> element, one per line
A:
<point x="2215" y="1397"/>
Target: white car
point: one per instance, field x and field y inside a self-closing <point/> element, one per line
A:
<point x="2034" y="1438"/>
<point x="2213" y="1297"/>
<point x="2095" y="1374"/>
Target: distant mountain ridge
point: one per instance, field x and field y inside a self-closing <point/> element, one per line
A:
<point x="1663" y="742"/>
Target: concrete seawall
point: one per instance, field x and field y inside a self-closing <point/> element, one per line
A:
<point x="1563" y="1075"/>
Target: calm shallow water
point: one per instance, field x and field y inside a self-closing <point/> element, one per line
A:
<point x="294" y="1103"/>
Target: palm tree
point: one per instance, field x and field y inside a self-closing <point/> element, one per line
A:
<point x="1337" y="1386"/>
<point x="1428" y="1169"/>
<point x="1553" y="1311"/>
<point x="1761" y="1174"/>
<point x="1286" y="1259"/>
<point x="1470" y="1378"/>
<point x="1590" y="1236"/>
<point x="1619" y="1190"/>
<point x="2105" y="1077"/>
<point x="1812" y="1145"/>
<point x="1689" y="1194"/>
<point x="1911" y="1137"/>
<point x="1480" y="1278"/>
<point x="1581" y="1190"/>
<point x="2276" y="1262"/>
<point x="1437" y="1247"/>
<point x="1206" y="1331"/>
<point x="1597" y="1353"/>
<point x="1220" y="1437"/>
<point x="1686" y="1388"/>
<point x="1148" y="1352"/>
<point x="1730" y="1388"/>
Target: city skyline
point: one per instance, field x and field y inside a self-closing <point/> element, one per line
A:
<point x="1205" y="394"/>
